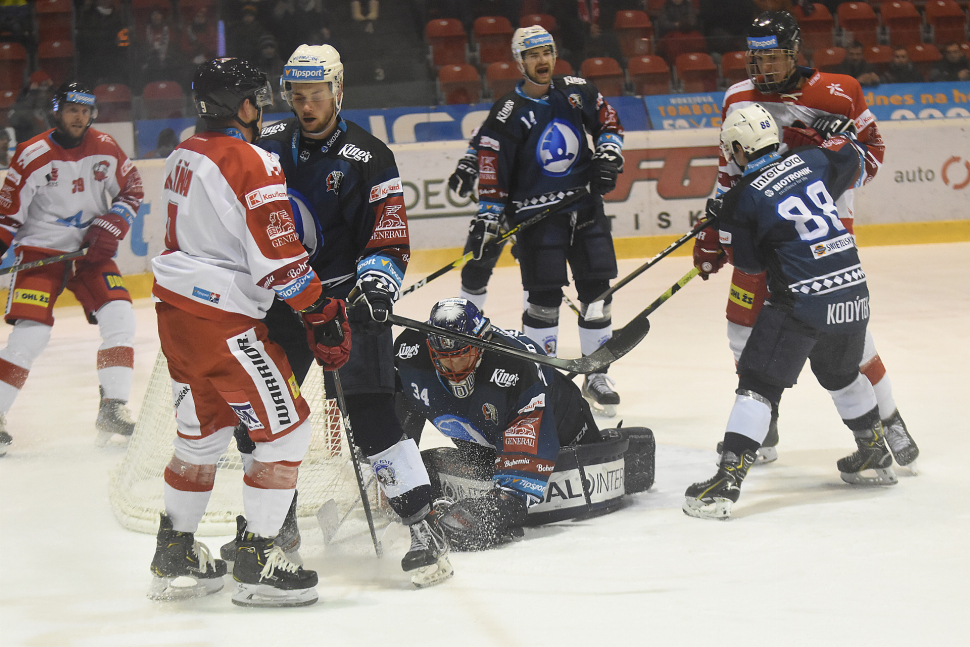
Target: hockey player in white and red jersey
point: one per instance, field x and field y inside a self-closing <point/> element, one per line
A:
<point x="68" y="188"/>
<point x="808" y="106"/>
<point x="231" y="248"/>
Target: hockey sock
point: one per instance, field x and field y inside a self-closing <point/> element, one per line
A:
<point x="116" y="357"/>
<point x="265" y="508"/>
<point x="884" y="396"/>
<point x="187" y="491"/>
<point x="541" y="324"/>
<point x="737" y="444"/>
<point x="26" y="342"/>
<point x="737" y="338"/>
<point x="375" y="422"/>
<point x="477" y="297"/>
<point x="596" y="332"/>
<point x="855" y="400"/>
<point x="404" y="480"/>
<point x="749" y="418"/>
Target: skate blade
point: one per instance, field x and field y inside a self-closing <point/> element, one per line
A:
<point x="871" y="477"/>
<point x="719" y="508"/>
<point x="767" y="455"/>
<point x="911" y="467"/>
<point x="104" y="437"/>
<point x="169" y="589"/>
<point x="606" y="410"/>
<point x="329" y="520"/>
<point x="437" y="573"/>
<point x="264" y="595"/>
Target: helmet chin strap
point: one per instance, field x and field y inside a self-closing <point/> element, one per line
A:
<point x="252" y="125"/>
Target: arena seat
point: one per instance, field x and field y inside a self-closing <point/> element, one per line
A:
<point x="493" y="35"/>
<point x="7" y="99"/>
<point x="563" y="68"/>
<point x="817" y="28"/>
<point x="605" y="73"/>
<point x="733" y="67"/>
<point x="696" y="72"/>
<point x="447" y="40"/>
<point x="13" y="63"/>
<point x="55" y="19"/>
<point x="163" y="100"/>
<point x="544" y="20"/>
<point x="676" y="43"/>
<point x="114" y="102"/>
<point x="649" y="75"/>
<point x="826" y="59"/>
<point x="635" y="33"/>
<point x="879" y="56"/>
<point x="460" y="84"/>
<point x="501" y="77"/>
<point x="56" y="57"/>
<point x="859" y="19"/>
<point x="903" y="23"/>
<point x="924" y="56"/>
<point x="947" y="21"/>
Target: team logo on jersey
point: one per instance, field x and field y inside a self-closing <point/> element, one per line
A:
<point x="351" y="152"/>
<point x="486" y="167"/>
<point x="247" y="415"/>
<point x="391" y="224"/>
<point x="334" y="180"/>
<point x="407" y="351"/>
<point x="558" y="148"/>
<point x="836" y="89"/>
<point x="101" y="171"/>
<point x="384" y="189"/>
<point x="576" y="101"/>
<point x="385" y="473"/>
<point x="281" y="229"/>
<point x="52" y="177"/>
<point x="490" y="412"/>
<point x="503" y="378"/>
<point x="834" y="246"/>
<point x="506" y="110"/>
<point x="205" y="295"/>
<point x="523" y="435"/>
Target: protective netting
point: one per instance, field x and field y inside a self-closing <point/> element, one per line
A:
<point x="136" y="491"/>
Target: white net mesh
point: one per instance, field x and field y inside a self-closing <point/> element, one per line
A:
<point x="136" y="491"/>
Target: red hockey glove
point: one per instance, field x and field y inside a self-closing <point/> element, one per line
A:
<point x="798" y="134"/>
<point x="328" y="332"/>
<point x="104" y="234"/>
<point x="709" y="256"/>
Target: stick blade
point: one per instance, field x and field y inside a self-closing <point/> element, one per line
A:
<point x="329" y="520"/>
<point x="622" y="342"/>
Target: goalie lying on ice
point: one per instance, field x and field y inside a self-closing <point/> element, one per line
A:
<point x="527" y="448"/>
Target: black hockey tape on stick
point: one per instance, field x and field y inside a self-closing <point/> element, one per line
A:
<point x="595" y="309"/>
<point x="44" y="261"/>
<point x="559" y="206"/>
<point x="349" y="431"/>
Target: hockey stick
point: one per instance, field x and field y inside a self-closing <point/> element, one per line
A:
<point x="568" y="202"/>
<point x="622" y="342"/>
<point x="349" y="431"/>
<point x="595" y="309"/>
<point x="60" y="258"/>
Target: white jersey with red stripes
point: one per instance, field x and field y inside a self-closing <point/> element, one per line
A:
<point x="51" y="193"/>
<point x="230" y="241"/>
<point x="821" y="94"/>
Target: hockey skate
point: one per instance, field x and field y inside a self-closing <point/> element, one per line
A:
<point x="5" y="439"/>
<point x="427" y="559"/>
<point x="180" y="559"/>
<point x="113" y="418"/>
<point x="871" y="464"/>
<point x="901" y="444"/>
<point x="713" y="498"/>
<point x="768" y="452"/>
<point x="598" y="391"/>
<point x="288" y="539"/>
<point x="266" y="578"/>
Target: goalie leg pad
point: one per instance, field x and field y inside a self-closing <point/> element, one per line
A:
<point x="639" y="459"/>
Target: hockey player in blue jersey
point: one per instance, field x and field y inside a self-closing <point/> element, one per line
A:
<point x="505" y="414"/>
<point x="781" y="218"/>
<point x="348" y="202"/>
<point x="532" y="154"/>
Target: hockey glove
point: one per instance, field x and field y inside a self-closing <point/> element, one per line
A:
<point x="798" y="135"/>
<point x="606" y="166"/>
<point x="328" y="332"/>
<point x="834" y="125"/>
<point x="480" y="523"/>
<point x="484" y="228"/>
<point x="372" y="299"/>
<point x="462" y="181"/>
<point x="102" y="238"/>
<point x="709" y="256"/>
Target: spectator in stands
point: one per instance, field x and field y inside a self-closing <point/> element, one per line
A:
<point x="902" y="70"/>
<point x="4" y="148"/>
<point x="165" y="144"/>
<point x="855" y="65"/>
<point x="271" y="64"/>
<point x="160" y="61"/>
<point x="586" y="28"/>
<point x="953" y="66"/>
<point x="242" y="37"/>
<point x="725" y="23"/>
<point x="676" y="15"/>
<point x="373" y="10"/>
<point x="200" y="39"/>
<point x="31" y="115"/>
<point x="296" y="22"/>
<point x="103" y="44"/>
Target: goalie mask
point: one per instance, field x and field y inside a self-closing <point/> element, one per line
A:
<point x="73" y="92"/>
<point x="753" y="128"/>
<point x="526" y="38"/>
<point x="774" y="41"/>
<point x="317" y="64"/>
<point x="454" y="360"/>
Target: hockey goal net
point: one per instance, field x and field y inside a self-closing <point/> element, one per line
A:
<point x="136" y="489"/>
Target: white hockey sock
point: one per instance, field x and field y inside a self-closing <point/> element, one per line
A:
<point x="477" y="299"/>
<point x="185" y="508"/>
<point x="548" y="338"/>
<point x="247" y="461"/>
<point x="592" y="338"/>
<point x="855" y="400"/>
<point x="399" y="468"/>
<point x="26" y="342"/>
<point x="266" y="509"/>
<point x="750" y="417"/>
<point x="116" y="323"/>
<point x="884" y="396"/>
<point x="737" y="338"/>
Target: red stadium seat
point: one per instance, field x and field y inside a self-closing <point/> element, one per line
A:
<point x="563" y="68"/>
<point x="605" y="73"/>
<point x="649" y="75"/>
<point x="13" y="62"/>
<point x="501" y="77"/>
<point x="879" y="56"/>
<point x="678" y="42"/>
<point x="114" y="102"/>
<point x="163" y="100"/>
<point x="827" y="59"/>
<point x="56" y="57"/>
<point x="55" y="19"/>
<point x="903" y="22"/>
<point x="544" y="20"/>
<point x="460" y="84"/>
<point x="654" y="7"/>
<point x="448" y="41"/>
<point x="494" y="37"/>
<point x="697" y="72"/>
<point x="817" y="28"/>
<point x="732" y="67"/>
<point x="947" y="20"/>
<point x="924" y="56"/>
<point x="859" y="19"/>
<point x="7" y="99"/>
<point x="635" y="33"/>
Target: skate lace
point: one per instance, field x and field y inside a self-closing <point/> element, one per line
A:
<point x="206" y="561"/>
<point x="896" y="436"/>
<point x="600" y="382"/>
<point x="276" y="559"/>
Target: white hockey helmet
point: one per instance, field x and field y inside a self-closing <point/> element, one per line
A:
<point x="526" y="38"/>
<point x="314" y="64"/>
<point x="752" y="127"/>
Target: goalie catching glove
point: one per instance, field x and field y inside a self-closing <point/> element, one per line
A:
<point x="328" y="332"/>
<point x="483" y="522"/>
<point x="103" y="236"/>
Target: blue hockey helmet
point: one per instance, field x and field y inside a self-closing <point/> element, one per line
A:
<point x="453" y="359"/>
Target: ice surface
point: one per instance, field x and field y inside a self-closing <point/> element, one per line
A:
<point x="806" y="560"/>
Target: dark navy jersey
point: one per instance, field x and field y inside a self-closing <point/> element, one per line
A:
<point x="533" y="152"/>
<point x="781" y="218"/>
<point x="518" y="407"/>
<point x="347" y="200"/>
